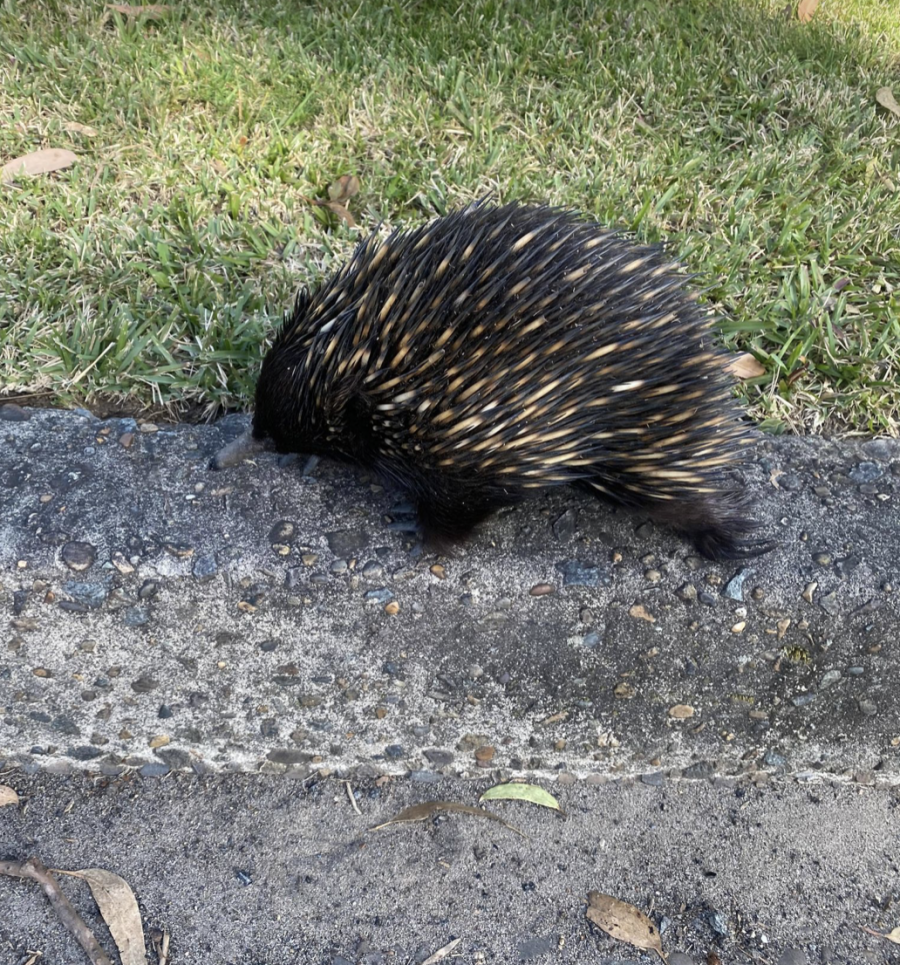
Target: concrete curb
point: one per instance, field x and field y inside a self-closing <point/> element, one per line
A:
<point x="161" y="617"/>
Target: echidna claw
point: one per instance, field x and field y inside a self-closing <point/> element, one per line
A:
<point x="404" y="526"/>
<point x="403" y="509"/>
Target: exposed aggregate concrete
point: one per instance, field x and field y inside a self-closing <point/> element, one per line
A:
<point x="159" y="616"/>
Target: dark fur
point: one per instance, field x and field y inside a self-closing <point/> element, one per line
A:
<point x="647" y="423"/>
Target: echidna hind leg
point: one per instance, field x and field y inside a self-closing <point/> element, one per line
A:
<point x="718" y="524"/>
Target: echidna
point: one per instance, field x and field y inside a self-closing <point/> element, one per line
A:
<point x="500" y="350"/>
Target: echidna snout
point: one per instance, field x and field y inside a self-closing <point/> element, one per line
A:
<point x="498" y="351"/>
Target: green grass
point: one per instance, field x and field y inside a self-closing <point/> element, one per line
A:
<point x="152" y="273"/>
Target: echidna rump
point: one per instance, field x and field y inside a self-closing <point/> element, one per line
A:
<point x="501" y="350"/>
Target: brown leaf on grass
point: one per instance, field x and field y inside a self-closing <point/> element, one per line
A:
<point x="7" y="795"/>
<point x="346" y="186"/>
<point x="623" y="922"/>
<point x="339" y="193"/>
<point x="38" y="162"/>
<point x="119" y="908"/>
<point x="885" y="97"/>
<point x="806" y="9"/>
<point x="422" y="812"/>
<point x="745" y="366"/>
<point x="148" y="11"/>
<point x="73" y="127"/>
<point x="341" y="212"/>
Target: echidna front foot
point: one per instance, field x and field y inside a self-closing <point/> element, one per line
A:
<point x="445" y="523"/>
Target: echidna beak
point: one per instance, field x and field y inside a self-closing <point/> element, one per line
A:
<point x="241" y="448"/>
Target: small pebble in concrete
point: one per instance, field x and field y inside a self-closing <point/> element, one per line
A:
<point x="866" y="472"/>
<point x="564" y="526"/>
<point x="734" y="588"/>
<point x="87" y="594"/>
<point x="439" y="758"/>
<point x="382" y="595"/>
<point x="148" y="590"/>
<point x="79" y="556"/>
<point x="204" y="568"/>
<point x="136" y="616"/>
<point x="699" y="771"/>
<point x="847" y="565"/>
<point x="576" y="573"/>
<point x="654" y="779"/>
<point x="718" y="923"/>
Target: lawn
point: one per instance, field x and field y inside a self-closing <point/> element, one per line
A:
<point x="150" y="274"/>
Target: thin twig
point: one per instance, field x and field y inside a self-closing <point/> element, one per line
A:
<point x="36" y="870"/>
<point x="160" y="941"/>
<point x="352" y="797"/>
<point x="442" y="953"/>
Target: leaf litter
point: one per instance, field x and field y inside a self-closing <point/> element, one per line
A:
<point x="422" y="812"/>
<point x="37" y="162"/>
<point x="518" y="791"/>
<point x="624" y="922"/>
<point x="114" y="899"/>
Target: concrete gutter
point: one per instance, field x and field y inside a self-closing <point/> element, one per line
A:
<point x="159" y="616"/>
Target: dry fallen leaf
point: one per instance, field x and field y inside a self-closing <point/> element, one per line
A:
<point x="623" y="922"/>
<point x="35" y="870"/>
<point x="806" y="9"/>
<point x="346" y="186"/>
<point x="422" y="812"/>
<point x="119" y="908"/>
<point x="442" y="953"/>
<point x="339" y="192"/>
<point x="885" y="97"/>
<point x="341" y="212"/>
<point x="892" y="936"/>
<point x="7" y="795"/>
<point x="148" y="11"/>
<point x="745" y="366"/>
<point x="75" y="128"/>
<point x="515" y="791"/>
<point x="38" y="162"/>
